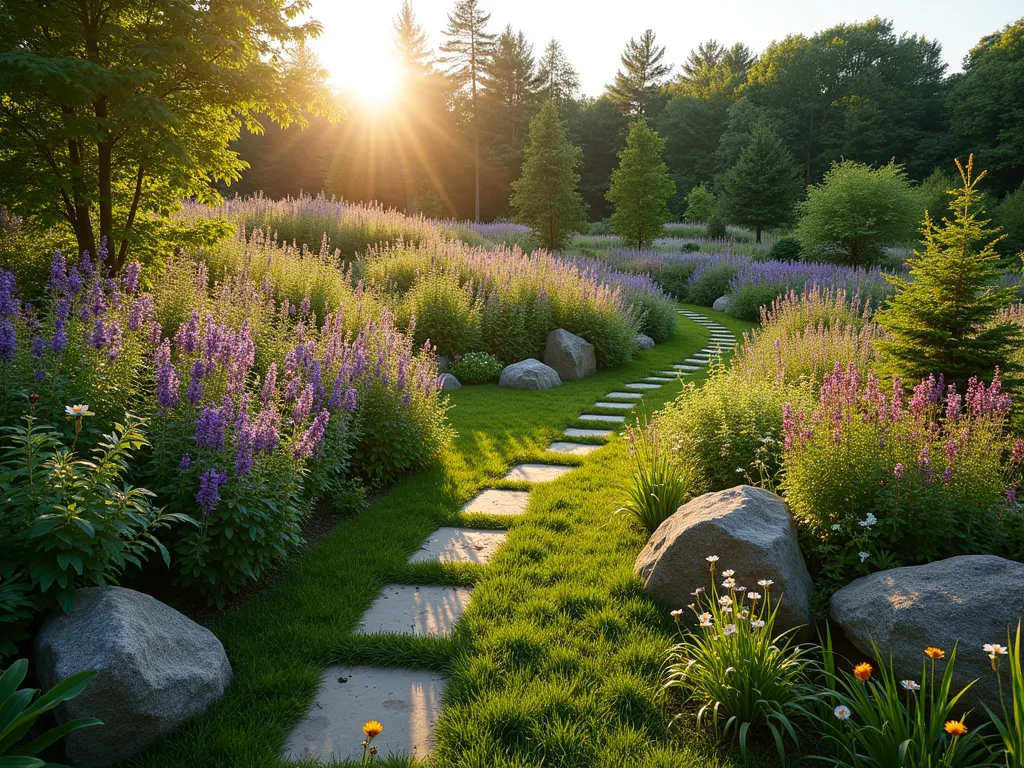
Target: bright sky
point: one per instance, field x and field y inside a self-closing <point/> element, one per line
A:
<point x="355" y="46"/>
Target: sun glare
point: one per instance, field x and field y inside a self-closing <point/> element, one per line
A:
<point x="374" y="84"/>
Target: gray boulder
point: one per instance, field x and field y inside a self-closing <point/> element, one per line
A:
<point x="751" y="532"/>
<point x="971" y="600"/>
<point x="721" y="304"/>
<point x="529" y="374"/>
<point x="155" y="668"/>
<point x="449" y="383"/>
<point x="442" y="364"/>
<point x="644" y="342"/>
<point x="570" y="355"/>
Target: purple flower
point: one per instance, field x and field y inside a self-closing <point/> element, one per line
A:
<point x="9" y="303"/>
<point x="265" y="436"/>
<point x="309" y="441"/>
<point x="185" y="463"/>
<point x="100" y="335"/>
<point x="74" y="282"/>
<point x="142" y="312"/>
<point x="38" y="346"/>
<point x="1018" y="451"/>
<point x="58" y="282"/>
<point x="269" y="384"/>
<point x="210" y="483"/>
<point x="154" y="333"/>
<point x="114" y="338"/>
<point x="924" y="464"/>
<point x="210" y="428"/>
<point x="167" y="386"/>
<point x="130" y="277"/>
<point x="898" y="471"/>
<point x="304" y="306"/>
<point x="59" y="340"/>
<point x="1011" y="496"/>
<point x="303" y="405"/>
<point x="8" y="340"/>
<point x="187" y="337"/>
<point x="195" y="383"/>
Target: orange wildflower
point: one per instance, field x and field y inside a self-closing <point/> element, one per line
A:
<point x="373" y="728"/>
<point x="862" y="671"/>
<point x="955" y="728"/>
<point x="934" y="653"/>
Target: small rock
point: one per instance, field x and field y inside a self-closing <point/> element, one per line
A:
<point x="155" y="670"/>
<point x="449" y="383"/>
<point x="571" y="356"/>
<point x="751" y="532"/>
<point x="529" y="374"/>
<point x="971" y="600"/>
<point x="721" y="304"/>
<point x="644" y="341"/>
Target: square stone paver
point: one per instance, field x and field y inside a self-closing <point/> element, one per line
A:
<point x="459" y="545"/>
<point x="409" y="610"/>
<point x="606" y="418"/>
<point x="573" y="449"/>
<point x="537" y="473"/>
<point x="642" y="385"/>
<point x="407" y="702"/>
<point x="622" y="406"/>
<point x="498" y="502"/>
<point x="578" y="432"/>
<point x="623" y="396"/>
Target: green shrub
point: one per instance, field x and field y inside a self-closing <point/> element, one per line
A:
<point x="476" y="368"/>
<point x="516" y="323"/>
<point x="700" y="204"/>
<point x="659" y="486"/>
<point x="711" y="283"/>
<point x="786" y="249"/>
<point x="445" y="313"/>
<point x="689" y="247"/>
<point x="657" y="315"/>
<point x="745" y="678"/>
<point x="715" y="229"/>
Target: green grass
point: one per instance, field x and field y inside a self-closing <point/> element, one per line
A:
<point x="558" y="659"/>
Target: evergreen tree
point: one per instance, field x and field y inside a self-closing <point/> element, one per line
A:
<point x="641" y="188"/>
<point x="713" y="70"/>
<point x="510" y="82"/>
<point x="640" y="78"/>
<point x="469" y="47"/>
<point x="546" y="197"/>
<point x="409" y="42"/>
<point x="760" y="189"/>
<point x="945" y="319"/>
<point x="558" y="80"/>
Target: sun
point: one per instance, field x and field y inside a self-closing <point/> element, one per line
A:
<point x="375" y="83"/>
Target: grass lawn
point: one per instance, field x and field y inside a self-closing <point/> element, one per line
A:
<point x="558" y="658"/>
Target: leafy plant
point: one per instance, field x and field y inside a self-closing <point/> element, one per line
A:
<point x="743" y="675"/>
<point x="445" y="312"/>
<point x="20" y="714"/>
<point x="700" y="204"/>
<point x="1009" y="722"/>
<point x="659" y="484"/>
<point x="786" y="249"/>
<point x="641" y="188"/>
<point x="476" y="368"/>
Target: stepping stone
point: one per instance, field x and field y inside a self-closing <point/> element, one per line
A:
<point x="498" y="502"/>
<point x="459" y="545"/>
<point x="609" y="419"/>
<point x="642" y="385"/>
<point x="696" y="360"/>
<point x="574" y="449"/>
<point x="662" y="379"/>
<point x="623" y="396"/>
<point x="537" y="473"/>
<point x="577" y="432"/>
<point x="686" y="367"/>
<point x="623" y="406"/>
<point x="672" y="374"/>
<point x="421" y="611"/>
<point x="407" y="702"/>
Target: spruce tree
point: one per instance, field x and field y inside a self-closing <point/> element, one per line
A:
<point x="760" y="189"/>
<point x="945" y="318"/>
<point x="641" y="76"/>
<point x="410" y="43"/>
<point x="469" y="47"/>
<point x="510" y="84"/>
<point x="546" y="197"/>
<point x="557" y="78"/>
<point x="641" y="188"/>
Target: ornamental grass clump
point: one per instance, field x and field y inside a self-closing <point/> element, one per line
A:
<point x="745" y="679"/>
<point x="659" y="485"/>
<point x="875" y="480"/>
<point x="871" y="718"/>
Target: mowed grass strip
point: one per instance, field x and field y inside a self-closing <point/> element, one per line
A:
<point x="559" y="654"/>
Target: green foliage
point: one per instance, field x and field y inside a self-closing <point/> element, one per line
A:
<point x="445" y="312"/>
<point x="546" y="197"/>
<point x="1009" y="722"/>
<point x="700" y="204"/>
<point x="935" y="195"/>
<point x="22" y="711"/>
<point x="1009" y="216"/>
<point x="659" y="485"/>
<point x="476" y="368"/>
<point x="641" y="188"/>
<point x="110" y="116"/>
<point x="786" y="249"/>
<point x="69" y="521"/>
<point x="745" y="678"/>
<point x="637" y="84"/>
<point x="711" y="283"/>
<point x="884" y="722"/>
<point x="760" y="189"/>
<point x="715" y="229"/>
<point x="856" y="211"/>
<point x="944" y="319"/>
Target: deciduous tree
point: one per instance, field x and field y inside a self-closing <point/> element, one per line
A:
<point x="641" y="188"/>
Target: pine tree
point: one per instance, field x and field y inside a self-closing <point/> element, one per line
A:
<point x="510" y="83"/>
<point x="641" y="75"/>
<point x="469" y="47"/>
<point x="760" y="189"/>
<point x="641" y="188"/>
<point x="546" y="197"/>
<point x="409" y="42"/>
<point x="945" y="319"/>
<point x="558" y="80"/>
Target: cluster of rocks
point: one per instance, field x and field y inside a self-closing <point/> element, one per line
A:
<point x="963" y="602"/>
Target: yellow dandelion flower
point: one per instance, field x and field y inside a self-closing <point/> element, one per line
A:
<point x="373" y="728"/>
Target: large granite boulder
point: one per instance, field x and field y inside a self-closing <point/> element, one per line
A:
<point x="570" y="355"/>
<point x="155" y="669"/>
<point x="449" y="383"/>
<point x="529" y="374"/>
<point x="721" y="304"/>
<point x="751" y="532"/>
<point x="972" y="600"/>
<point x="643" y="341"/>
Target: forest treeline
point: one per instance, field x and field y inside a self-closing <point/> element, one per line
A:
<point x="861" y="92"/>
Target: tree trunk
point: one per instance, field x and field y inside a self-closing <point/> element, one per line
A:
<point x="810" y="142"/>
<point x="758" y="236"/>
